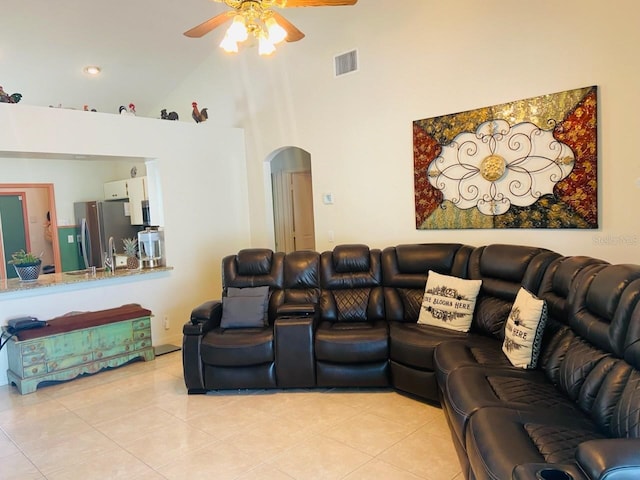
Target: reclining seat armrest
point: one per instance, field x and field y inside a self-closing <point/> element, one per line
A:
<point x="297" y="310"/>
<point x="296" y="320"/>
<point x="295" y="353"/>
<point x="610" y="459"/>
<point x="204" y="318"/>
<point x="536" y="471"/>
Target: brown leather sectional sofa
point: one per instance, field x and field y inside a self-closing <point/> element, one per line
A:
<point x="348" y="318"/>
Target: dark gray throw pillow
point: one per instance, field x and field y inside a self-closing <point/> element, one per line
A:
<point x="242" y="312"/>
<point x="252" y="292"/>
<point x="248" y="292"/>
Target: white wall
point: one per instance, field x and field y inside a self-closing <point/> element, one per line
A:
<point x="202" y="172"/>
<point x="418" y="60"/>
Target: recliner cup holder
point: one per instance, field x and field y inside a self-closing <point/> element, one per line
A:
<point x="553" y="474"/>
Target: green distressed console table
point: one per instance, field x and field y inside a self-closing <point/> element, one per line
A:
<point x="77" y="344"/>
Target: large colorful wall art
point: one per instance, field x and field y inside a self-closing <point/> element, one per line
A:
<point x="524" y="164"/>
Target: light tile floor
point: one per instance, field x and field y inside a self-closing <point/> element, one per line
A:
<point x="137" y="422"/>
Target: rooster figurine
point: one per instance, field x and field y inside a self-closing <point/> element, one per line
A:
<point x="199" y="115"/>
<point x="13" y="98"/>
<point x="127" y="111"/>
<point x="168" y="116"/>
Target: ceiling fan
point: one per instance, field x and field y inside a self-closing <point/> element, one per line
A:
<point x="257" y="18"/>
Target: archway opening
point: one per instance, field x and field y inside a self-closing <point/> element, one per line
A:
<point x="292" y="195"/>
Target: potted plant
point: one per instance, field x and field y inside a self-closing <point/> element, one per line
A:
<point x="27" y="265"/>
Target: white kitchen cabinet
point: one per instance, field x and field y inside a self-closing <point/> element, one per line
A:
<point x="137" y="193"/>
<point x="117" y="190"/>
<point x="133" y="189"/>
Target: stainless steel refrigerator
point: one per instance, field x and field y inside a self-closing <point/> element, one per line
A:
<point x="97" y="221"/>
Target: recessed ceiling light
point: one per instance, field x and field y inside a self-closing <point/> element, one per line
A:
<point x="92" y="70"/>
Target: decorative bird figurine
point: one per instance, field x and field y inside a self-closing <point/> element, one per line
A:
<point x="127" y="111"/>
<point x="13" y="98"/>
<point x="168" y="116"/>
<point x="199" y="115"/>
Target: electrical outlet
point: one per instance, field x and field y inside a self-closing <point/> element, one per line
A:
<point x="166" y="322"/>
<point x="69" y="238"/>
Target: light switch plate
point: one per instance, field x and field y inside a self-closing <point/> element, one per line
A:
<point x="327" y="198"/>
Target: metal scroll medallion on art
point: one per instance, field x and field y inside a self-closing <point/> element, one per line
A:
<point x="525" y="164"/>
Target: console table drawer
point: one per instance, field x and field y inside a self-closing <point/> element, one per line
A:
<point x="32" y="347"/>
<point x="143" y="344"/>
<point x="72" y="343"/>
<point x="33" y="359"/>
<point x="68" y="362"/>
<point x="112" y="336"/>
<point x="115" y="350"/>
<point x="142" y="324"/>
<point x="141" y="335"/>
<point x="34" y="370"/>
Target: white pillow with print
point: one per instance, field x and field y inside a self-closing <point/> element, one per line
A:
<point x="524" y="329"/>
<point x="449" y="302"/>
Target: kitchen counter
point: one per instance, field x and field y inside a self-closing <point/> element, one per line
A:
<point x="50" y="280"/>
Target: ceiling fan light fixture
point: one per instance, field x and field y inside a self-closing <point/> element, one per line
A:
<point x="256" y="18"/>
<point x="276" y="33"/>
<point x="265" y="46"/>
<point x="229" y="45"/>
<point x="238" y="29"/>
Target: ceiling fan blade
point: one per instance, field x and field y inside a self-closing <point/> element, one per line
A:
<point x="318" y="3"/>
<point x="293" y="34"/>
<point x="206" y="27"/>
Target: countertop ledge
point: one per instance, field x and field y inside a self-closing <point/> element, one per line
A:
<point x="50" y="280"/>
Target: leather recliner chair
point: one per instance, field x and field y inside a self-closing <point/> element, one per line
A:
<point x="586" y="391"/>
<point x="463" y="359"/>
<point x="404" y="272"/>
<point x="351" y="340"/>
<point x="227" y="358"/>
<point x="554" y="289"/>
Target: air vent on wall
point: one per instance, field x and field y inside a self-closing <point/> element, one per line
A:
<point x="346" y="63"/>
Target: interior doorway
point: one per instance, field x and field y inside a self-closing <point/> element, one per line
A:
<point x="28" y="221"/>
<point x="291" y="182"/>
<point x="13" y="229"/>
